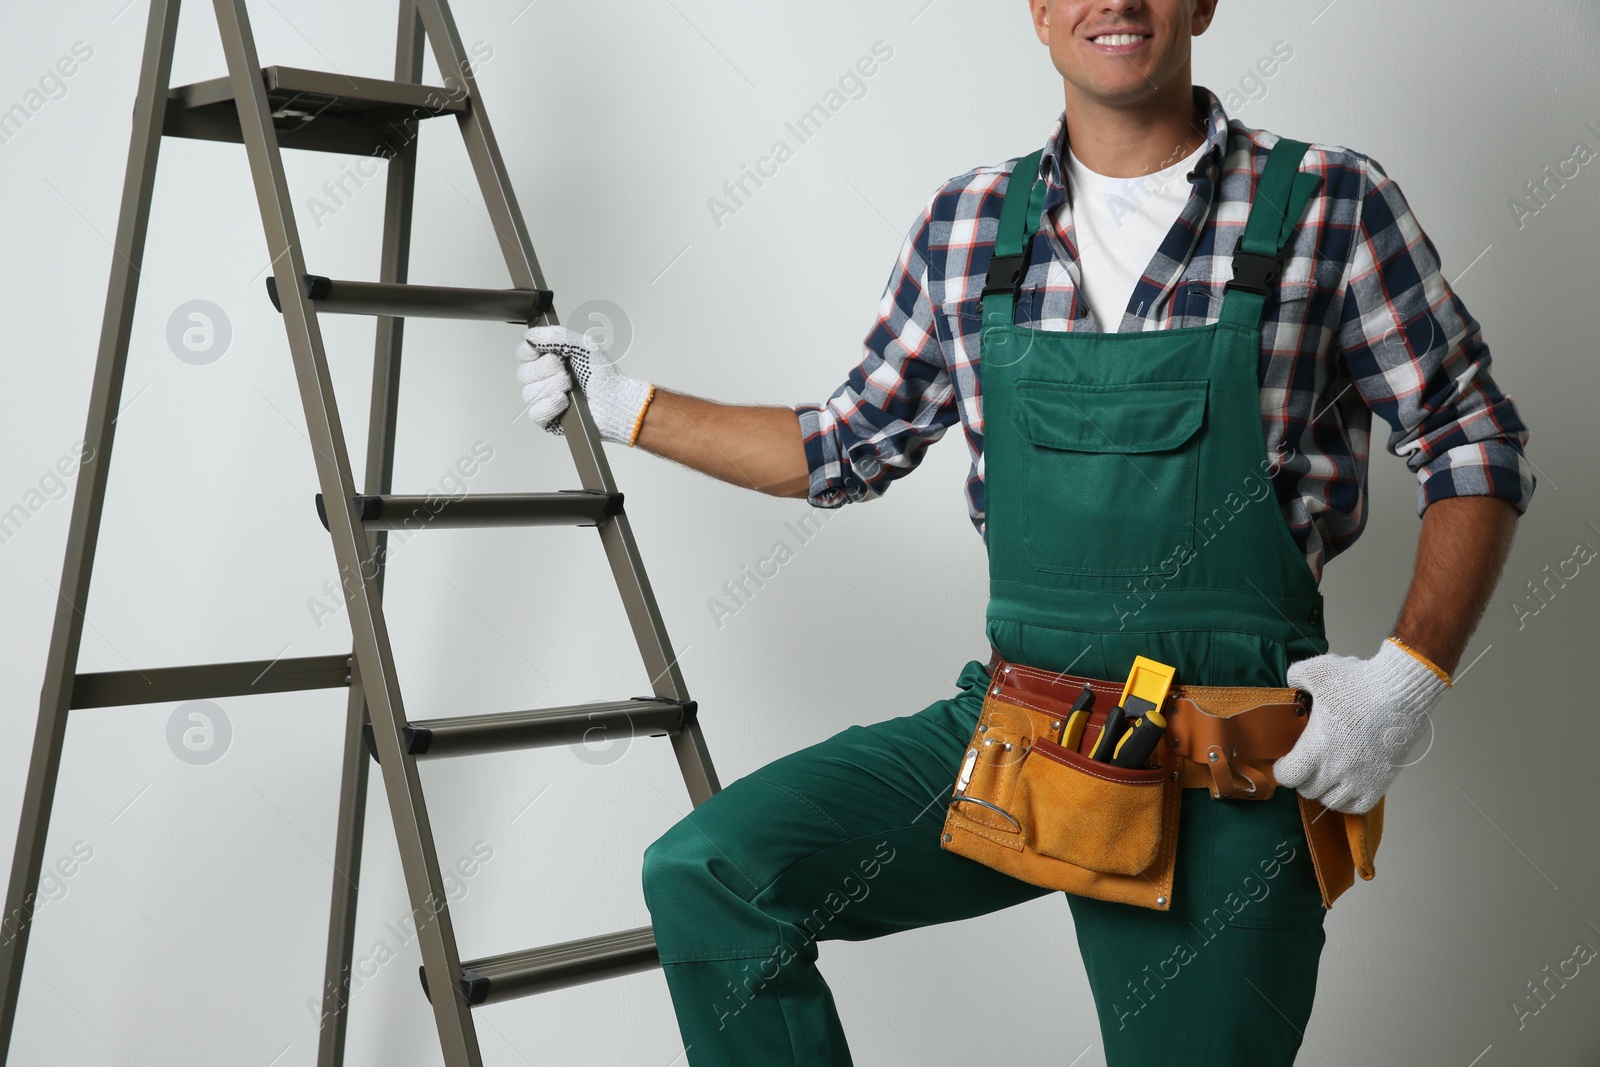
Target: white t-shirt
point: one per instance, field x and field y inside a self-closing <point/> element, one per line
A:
<point x="1119" y="223"/>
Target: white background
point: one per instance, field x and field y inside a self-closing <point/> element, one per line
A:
<point x="194" y="933"/>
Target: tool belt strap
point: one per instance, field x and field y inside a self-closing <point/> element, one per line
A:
<point x="1228" y="736"/>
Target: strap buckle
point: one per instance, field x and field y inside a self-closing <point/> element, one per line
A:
<point x="1005" y="274"/>
<point x="1254" y="272"/>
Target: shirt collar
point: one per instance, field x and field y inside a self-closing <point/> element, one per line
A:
<point x="1051" y="165"/>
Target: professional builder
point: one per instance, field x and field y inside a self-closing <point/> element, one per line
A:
<point x="1181" y="327"/>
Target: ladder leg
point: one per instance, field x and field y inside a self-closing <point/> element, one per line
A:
<point x="346" y="875"/>
<point x="83" y="533"/>
<point x="393" y="267"/>
<point x="358" y="571"/>
<point x="627" y="568"/>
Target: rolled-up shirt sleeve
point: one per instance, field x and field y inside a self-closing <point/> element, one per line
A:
<point x="895" y="403"/>
<point x="1419" y="361"/>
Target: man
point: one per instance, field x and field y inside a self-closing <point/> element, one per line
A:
<point x="1095" y="455"/>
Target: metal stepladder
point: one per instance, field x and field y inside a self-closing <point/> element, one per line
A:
<point x="268" y="109"/>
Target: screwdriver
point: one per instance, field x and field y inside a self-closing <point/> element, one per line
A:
<point x="1139" y="743"/>
<point x="1111" y="732"/>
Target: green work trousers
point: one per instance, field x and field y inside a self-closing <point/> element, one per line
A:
<point x="842" y="840"/>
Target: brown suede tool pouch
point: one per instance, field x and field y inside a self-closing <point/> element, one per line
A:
<point x="1053" y="817"/>
<point x="1342" y="845"/>
<point x="1025" y="805"/>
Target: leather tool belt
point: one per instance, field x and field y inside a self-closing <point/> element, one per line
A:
<point x="1052" y="817"/>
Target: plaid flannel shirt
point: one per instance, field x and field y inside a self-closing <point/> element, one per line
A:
<point x="1362" y="322"/>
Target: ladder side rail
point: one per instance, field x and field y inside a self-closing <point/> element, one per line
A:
<point x="435" y="935"/>
<point x="498" y="196"/>
<point x="622" y="552"/>
<point x="88" y="503"/>
<point x="694" y="760"/>
<point x="393" y="266"/>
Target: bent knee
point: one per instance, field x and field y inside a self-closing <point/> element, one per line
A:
<point x="704" y="855"/>
<point x="679" y="859"/>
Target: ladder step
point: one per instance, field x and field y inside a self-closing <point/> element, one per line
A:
<point x="472" y="735"/>
<point x="118" y="688"/>
<point x="521" y="306"/>
<point x="539" y="970"/>
<point x="568" y="507"/>
<point x="315" y="110"/>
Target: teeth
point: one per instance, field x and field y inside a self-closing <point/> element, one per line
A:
<point x="1118" y="38"/>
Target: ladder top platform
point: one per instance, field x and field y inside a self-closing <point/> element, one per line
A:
<point x="313" y="109"/>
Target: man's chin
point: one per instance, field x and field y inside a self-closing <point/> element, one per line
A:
<point x="1122" y="89"/>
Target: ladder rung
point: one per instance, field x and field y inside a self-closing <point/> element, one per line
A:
<point x="539" y="970"/>
<point x="569" y="507"/>
<point x="472" y="735"/>
<point x="315" y="110"/>
<point x="521" y="306"/>
<point x="118" y="688"/>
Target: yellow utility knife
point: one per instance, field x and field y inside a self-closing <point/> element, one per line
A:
<point x="1146" y="690"/>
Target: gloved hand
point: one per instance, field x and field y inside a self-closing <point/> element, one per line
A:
<point x="616" y="401"/>
<point x="1365" y="716"/>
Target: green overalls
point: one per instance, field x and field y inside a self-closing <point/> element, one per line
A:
<point x="1129" y="512"/>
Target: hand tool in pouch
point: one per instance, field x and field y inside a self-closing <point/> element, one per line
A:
<point x="1111" y="732"/>
<point x="1077" y="718"/>
<point x="1137" y="744"/>
<point x="1132" y="736"/>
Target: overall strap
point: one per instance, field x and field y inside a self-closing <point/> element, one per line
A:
<point x="1280" y="198"/>
<point x="1019" y="217"/>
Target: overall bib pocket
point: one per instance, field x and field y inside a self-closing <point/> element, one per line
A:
<point x="1083" y="437"/>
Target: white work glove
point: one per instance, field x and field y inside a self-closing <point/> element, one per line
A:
<point x="616" y="401"/>
<point x="1366" y="714"/>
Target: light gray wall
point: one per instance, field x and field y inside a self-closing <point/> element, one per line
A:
<point x="190" y="928"/>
